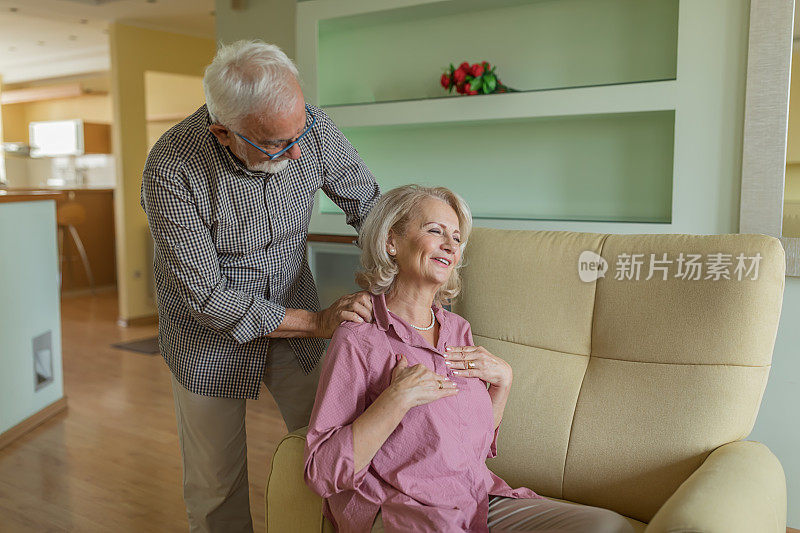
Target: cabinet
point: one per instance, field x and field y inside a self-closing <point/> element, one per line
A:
<point x="99" y="239"/>
<point x="69" y="137"/>
<point x="619" y="100"/>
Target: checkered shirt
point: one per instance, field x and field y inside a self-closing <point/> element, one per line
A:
<point x="230" y="248"/>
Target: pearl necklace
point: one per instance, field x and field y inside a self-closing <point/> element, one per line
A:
<point x="433" y="321"/>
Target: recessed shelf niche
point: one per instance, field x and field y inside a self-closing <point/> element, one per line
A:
<point x="610" y="167"/>
<point x="368" y="55"/>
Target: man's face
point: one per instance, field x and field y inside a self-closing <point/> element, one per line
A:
<point x="269" y="131"/>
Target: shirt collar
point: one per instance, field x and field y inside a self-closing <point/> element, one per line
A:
<point x="237" y="163"/>
<point x="385" y="318"/>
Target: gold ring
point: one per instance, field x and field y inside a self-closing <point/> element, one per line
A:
<point x="440" y="384"/>
<point x="471" y="364"/>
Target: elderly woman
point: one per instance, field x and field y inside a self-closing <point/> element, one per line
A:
<point x="407" y="408"/>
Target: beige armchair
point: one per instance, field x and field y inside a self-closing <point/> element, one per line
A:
<point x="633" y="395"/>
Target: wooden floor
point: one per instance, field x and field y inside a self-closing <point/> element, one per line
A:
<point x="111" y="462"/>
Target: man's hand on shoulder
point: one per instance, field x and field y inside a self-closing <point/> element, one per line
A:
<point x="355" y="307"/>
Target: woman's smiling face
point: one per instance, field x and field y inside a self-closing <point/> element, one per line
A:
<point x="430" y="246"/>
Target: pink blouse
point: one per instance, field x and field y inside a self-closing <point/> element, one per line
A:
<point x="430" y="474"/>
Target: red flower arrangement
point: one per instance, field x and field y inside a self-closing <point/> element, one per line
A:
<point x="478" y="78"/>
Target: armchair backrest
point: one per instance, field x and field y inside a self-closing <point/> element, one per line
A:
<point x="622" y="387"/>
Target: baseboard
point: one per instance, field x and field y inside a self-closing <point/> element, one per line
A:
<point x="75" y="293"/>
<point x="32" y="422"/>
<point x="137" y="321"/>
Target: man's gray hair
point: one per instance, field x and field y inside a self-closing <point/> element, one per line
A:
<point x="249" y="77"/>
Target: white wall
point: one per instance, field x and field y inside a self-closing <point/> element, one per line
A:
<point x="778" y="422"/>
<point x="271" y="21"/>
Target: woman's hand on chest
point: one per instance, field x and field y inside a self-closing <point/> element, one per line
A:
<point x="478" y="362"/>
<point x="417" y="385"/>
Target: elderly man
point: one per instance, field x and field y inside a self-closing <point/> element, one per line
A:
<point x="228" y="194"/>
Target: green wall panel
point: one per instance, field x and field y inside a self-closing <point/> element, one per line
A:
<point x="399" y="54"/>
<point x="602" y="168"/>
<point x="29" y="307"/>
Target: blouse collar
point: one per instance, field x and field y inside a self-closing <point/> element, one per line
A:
<point x="385" y="318"/>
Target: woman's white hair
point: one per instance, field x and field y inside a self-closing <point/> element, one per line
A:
<point x="249" y="77"/>
<point x="393" y="212"/>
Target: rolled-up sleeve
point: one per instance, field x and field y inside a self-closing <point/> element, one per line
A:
<point x="346" y="179"/>
<point x="186" y="254"/>
<point x="341" y="398"/>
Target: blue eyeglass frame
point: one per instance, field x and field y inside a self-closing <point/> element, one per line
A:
<point x="278" y="154"/>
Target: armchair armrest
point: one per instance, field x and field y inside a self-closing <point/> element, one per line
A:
<point x="291" y="505"/>
<point x="740" y="487"/>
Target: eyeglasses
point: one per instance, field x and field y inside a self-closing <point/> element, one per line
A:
<point x="309" y="124"/>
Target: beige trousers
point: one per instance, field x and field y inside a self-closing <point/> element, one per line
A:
<point x="510" y="514"/>
<point x="213" y="441"/>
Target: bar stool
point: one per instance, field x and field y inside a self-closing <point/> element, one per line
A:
<point x="68" y="215"/>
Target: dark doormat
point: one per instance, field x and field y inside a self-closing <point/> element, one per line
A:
<point x="148" y="346"/>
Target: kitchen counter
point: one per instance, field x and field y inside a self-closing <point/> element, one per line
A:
<point x="12" y="195"/>
<point x="64" y="188"/>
